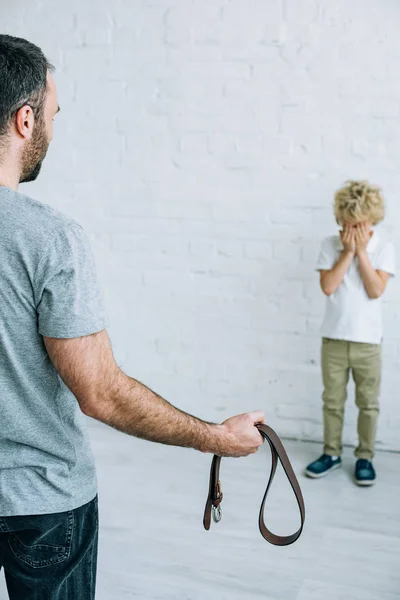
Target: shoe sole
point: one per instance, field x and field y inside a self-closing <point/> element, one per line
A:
<point x="319" y="475"/>
<point x="364" y="483"/>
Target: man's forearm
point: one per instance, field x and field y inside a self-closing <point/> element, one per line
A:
<point x="372" y="282"/>
<point x="333" y="278"/>
<point x="104" y="392"/>
<point x="133" y="408"/>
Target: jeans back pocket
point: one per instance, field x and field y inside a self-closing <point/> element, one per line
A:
<point x="42" y="540"/>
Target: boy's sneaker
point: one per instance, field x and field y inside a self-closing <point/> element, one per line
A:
<point x="365" y="472"/>
<point x="322" y="466"/>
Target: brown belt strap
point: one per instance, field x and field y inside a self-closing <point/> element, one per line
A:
<point x="215" y="492"/>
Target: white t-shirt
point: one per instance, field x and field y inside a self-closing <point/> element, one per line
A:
<point x="350" y="313"/>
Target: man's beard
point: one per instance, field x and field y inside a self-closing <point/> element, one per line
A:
<point x="34" y="153"/>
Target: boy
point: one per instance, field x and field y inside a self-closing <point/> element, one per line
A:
<point x="354" y="269"/>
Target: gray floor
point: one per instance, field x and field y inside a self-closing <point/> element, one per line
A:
<point x="152" y="545"/>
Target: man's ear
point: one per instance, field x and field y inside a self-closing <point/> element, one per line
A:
<point x="24" y="122"/>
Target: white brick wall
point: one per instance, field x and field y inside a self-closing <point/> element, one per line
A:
<point x="200" y="143"/>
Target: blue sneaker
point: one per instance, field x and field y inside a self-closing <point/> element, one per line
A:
<point x="365" y="472"/>
<point x="322" y="466"/>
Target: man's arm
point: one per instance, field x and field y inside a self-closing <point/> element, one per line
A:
<point x="87" y="366"/>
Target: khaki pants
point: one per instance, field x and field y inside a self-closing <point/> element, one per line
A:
<point x="364" y="362"/>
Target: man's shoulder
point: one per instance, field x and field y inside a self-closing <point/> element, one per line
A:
<point x="43" y="217"/>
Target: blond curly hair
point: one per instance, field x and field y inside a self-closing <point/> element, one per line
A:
<point x="359" y="201"/>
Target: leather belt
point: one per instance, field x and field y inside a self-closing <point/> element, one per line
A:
<point x="213" y="504"/>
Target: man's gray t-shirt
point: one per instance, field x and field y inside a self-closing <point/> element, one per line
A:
<point x="48" y="287"/>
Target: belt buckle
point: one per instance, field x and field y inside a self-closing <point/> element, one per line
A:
<point x="217" y="510"/>
<point x="217" y="513"/>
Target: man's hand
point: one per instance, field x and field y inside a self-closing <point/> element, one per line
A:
<point x="348" y="237"/>
<point x="362" y="237"/>
<point x="240" y="436"/>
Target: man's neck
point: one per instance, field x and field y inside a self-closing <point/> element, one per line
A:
<point x="9" y="169"/>
<point x="7" y="180"/>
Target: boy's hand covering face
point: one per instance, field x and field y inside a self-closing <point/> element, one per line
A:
<point x="362" y="236"/>
<point x="348" y="237"/>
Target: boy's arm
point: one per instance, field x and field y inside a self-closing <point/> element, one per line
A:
<point x="330" y="280"/>
<point x="375" y="280"/>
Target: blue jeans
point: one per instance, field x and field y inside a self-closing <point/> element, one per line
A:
<point x="51" y="557"/>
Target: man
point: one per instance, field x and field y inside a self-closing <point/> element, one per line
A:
<point x="56" y="363"/>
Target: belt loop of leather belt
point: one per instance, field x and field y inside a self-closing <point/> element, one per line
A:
<point x="214" y="499"/>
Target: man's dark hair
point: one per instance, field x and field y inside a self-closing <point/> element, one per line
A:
<point x="23" y="71"/>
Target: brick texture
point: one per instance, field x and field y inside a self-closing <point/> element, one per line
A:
<point x="199" y="143"/>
